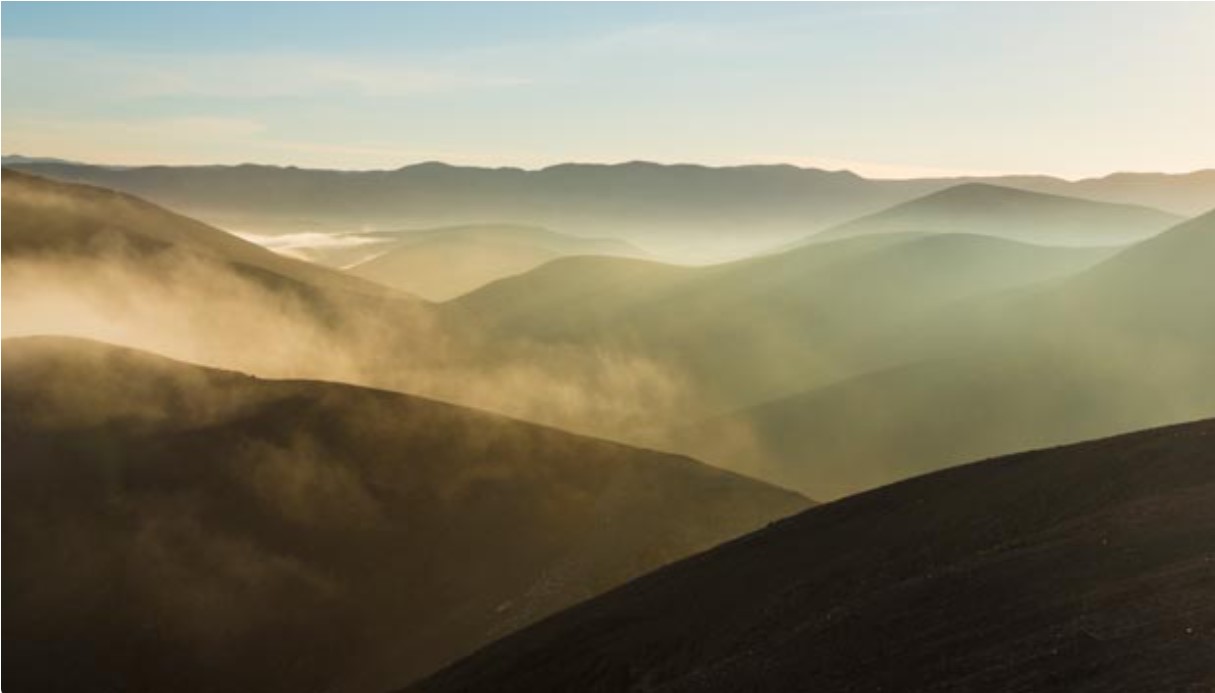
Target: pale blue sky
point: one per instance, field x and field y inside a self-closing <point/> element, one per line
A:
<point x="884" y="89"/>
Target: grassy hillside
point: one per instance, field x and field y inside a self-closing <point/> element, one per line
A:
<point x="1014" y="214"/>
<point x="1082" y="568"/>
<point x="172" y="527"/>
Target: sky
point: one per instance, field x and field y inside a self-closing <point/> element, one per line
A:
<point x="884" y="89"/>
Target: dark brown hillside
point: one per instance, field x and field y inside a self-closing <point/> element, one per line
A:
<point x="169" y="527"/>
<point x="1089" y="567"/>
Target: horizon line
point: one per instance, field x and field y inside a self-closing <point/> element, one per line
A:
<point x="33" y="159"/>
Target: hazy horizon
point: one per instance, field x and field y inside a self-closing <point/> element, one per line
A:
<point x="621" y="162"/>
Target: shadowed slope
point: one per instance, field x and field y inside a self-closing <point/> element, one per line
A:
<point x="171" y="527"/>
<point x="1015" y="214"/>
<point x="1087" y="568"/>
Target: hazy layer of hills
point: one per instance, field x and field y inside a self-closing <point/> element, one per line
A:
<point x="172" y="527"/>
<point x="1124" y="345"/>
<point x="87" y="262"/>
<point x="43" y="217"/>
<point x="440" y="264"/>
<point x="176" y="527"/>
<point x="685" y="211"/>
<point x="1082" y="568"/>
<point x="833" y="367"/>
<point x="1016" y="214"/>
<point x="751" y="328"/>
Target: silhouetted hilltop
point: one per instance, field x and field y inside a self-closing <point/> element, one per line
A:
<point x="1081" y="568"/>
<point x="172" y="527"/>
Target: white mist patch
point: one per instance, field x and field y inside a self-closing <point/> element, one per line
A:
<point x="333" y="249"/>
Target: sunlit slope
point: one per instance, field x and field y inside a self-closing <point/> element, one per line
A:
<point x="440" y="264"/>
<point x="84" y="262"/>
<point x="1005" y="212"/>
<point x="172" y="527"/>
<point x="43" y="217"/>
<point x="1124" y="345"/>
<point x="762" y="325"/>
<point x="89" y="262"/>
<point x="1084" y="568"/>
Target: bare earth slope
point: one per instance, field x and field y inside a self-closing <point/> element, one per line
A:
<point x="172" y="527"/>
<point x="1087" y="568"/>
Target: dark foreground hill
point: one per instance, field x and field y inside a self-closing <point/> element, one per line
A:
<point x="1083" y="568"/>
<point x="175" y="528"/>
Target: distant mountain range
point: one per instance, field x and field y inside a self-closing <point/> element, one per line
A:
<point x="172" y="527"/>
<point x="1082" y="568"/>
<point x="687" y="211"/>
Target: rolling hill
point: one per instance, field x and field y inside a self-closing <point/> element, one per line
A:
<point x="172" y="527"/>
<point x="751" y="328"/>
<point x="1081" y="568"/>
<point x="85" y="262"/>
<point x="441" y="264"/>
<point x="1187" y="194"/>
<point x="46" y="217"/>
<point x="1004" y="212"/>
<point x="89" y="262"/>
<point x="1123" y="345"/>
